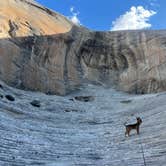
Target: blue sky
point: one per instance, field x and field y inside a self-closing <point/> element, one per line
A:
<point x="100" y="14"/>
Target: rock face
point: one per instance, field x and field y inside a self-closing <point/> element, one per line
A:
<point x="29" y="48"/>
<point x="133" y="61"/>
<point x="48" y="53"/>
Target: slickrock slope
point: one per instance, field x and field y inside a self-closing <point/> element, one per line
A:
<point x="42" y="50"/>
<point x="62" y="132"/>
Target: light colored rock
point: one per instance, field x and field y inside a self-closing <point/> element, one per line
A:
<point x="62" y="132"/>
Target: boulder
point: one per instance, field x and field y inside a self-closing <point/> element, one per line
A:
<point x="35" y="103"/>
<point x="10" y="97"/>
<point x="84" y="98"/>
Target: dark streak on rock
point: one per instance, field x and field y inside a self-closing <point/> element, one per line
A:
<point x="13" y="28"/>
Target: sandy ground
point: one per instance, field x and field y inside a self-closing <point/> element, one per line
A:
<point x="62" y="132"/>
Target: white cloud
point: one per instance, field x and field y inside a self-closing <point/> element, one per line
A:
<point x="74" y="18"/>
<point x="135" y="18"/>
<point x="72" y="9"/>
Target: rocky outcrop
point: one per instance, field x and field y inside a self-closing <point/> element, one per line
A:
<point x="50" y="54"/>
<point x="133" y="61"/>
<point x="30" y="46"/>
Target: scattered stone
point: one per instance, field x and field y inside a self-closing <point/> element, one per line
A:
<point x="1" y="86"/>
<point x="10" y="98"/>
<point x="94" y="156"/>
<point x="72" y="110"/>
<point x="36" y="153"/>
<point x="35" y="103"/>
<point x="84" y="98"/>
<point x="126" y="101"/>
<point x="67" y="110"/>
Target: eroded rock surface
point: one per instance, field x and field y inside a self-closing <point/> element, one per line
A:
<point x="49" y="54"/>
<point x="133" y="61"/>
<point x="62" y="132"/>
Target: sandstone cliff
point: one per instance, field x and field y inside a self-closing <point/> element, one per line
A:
<point x="42" y="50"/>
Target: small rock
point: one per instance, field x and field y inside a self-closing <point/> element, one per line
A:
<point x="71" y="110"/>
<point x="10" y="98"/>
<point x="35" y="103"/>
<point x="36" y="153"/>
<point x="74" y="110"/>
<point x="1" y="86"/>
<point x="84" y="98"/>
<point x="67" y="110"/>
<point x="1" y="96"/>
<point x="126" y="101"/>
